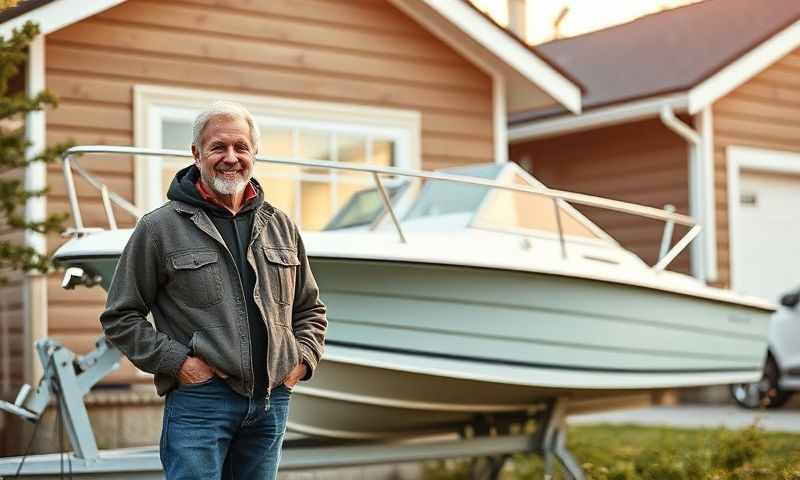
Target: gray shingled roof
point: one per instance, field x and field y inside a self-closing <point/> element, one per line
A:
<point x="666" y="52"/>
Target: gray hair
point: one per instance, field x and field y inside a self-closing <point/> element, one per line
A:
<point x="224" y="109"/>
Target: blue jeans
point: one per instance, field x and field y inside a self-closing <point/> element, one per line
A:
<point x="212" y="432"/>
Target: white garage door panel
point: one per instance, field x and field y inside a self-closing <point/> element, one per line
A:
<point x="767" y="252"/>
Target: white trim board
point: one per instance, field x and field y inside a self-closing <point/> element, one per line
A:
<point x="493" y="40"/>
<point x="510" y="51"/>
<point x="58" y="14"/>
<point x="596" y="118"/>
<point x="151" y="103"/>
<point x="499" y="81"/>
<point x="499" y="119"/>
<point x="34" y="296"/>
<point x="744" y="68"/>
<point x="428" y="22"/>
<point x="755" y="159"/>
<point x="704" y="125"/>
<point x="35" y="133"/>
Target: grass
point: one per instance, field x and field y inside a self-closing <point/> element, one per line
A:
<point x="623" y="452"/>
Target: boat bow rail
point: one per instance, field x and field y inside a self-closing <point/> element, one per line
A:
<point x="667" y="254"/>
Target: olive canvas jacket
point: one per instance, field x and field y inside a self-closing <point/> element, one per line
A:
<point x="176" y="265"/>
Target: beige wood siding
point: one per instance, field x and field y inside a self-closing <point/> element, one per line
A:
<point x="640" y="162"/>
<point x="762" y="113"/>
<point x="12" y="320"/>
<point x="12" y="338"/>
<point x="13" y="334"/>
<point x="353" y="52"/>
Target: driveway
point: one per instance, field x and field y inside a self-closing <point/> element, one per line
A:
<point x="696" y="416"/>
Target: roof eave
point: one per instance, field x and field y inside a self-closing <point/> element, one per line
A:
<point x="744" y="68"/>
<point x="693" y="100"/>
<point x="506" y="49"/>
<point x="596" y="118"/>
<point x="57" y="14"/>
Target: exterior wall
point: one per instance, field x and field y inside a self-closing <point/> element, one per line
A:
<point x="12" y="329"/>
<point x="12" y="326"/>
<point x="640" y="162"/>
<point x="762" y="113"/>
<point x="356" y="52"/>
<point x="12" y="334"/>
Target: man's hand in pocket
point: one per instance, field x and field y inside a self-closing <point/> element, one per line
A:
<point x="195" y="370"/>
<point x="295" y="375"/>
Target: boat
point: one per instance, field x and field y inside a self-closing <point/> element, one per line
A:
<point x="480" y="305"/>
<point x="478" y="293"/>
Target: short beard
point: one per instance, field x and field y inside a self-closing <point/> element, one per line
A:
<point x="223" y="186"/>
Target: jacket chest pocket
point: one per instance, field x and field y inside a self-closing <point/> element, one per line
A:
<point x="197" y="279"/>
<point x="281" y="270"/>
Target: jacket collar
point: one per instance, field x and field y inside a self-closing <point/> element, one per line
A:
<point x="182" y="207"/>
<point x="263" y="214"/>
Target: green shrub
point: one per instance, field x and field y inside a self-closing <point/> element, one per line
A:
<point x="738" y="448"/>
<point x="609" y="452"/>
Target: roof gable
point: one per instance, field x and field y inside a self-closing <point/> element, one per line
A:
<point x="667" y="52"/>
<point x="495" y="50"/>
<point x="539" y="78"/>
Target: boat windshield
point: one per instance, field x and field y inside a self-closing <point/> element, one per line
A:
<point x="492" y="208"/>
<point x="512" y="210"/>
<point x="364" y="207"/>
<point x="439" y="198"/>
<point x="439" y="203"/>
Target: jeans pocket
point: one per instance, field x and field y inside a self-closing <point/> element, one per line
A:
<point x="196" y="385"/>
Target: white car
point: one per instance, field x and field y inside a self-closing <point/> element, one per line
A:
<point x="782" y="367"/>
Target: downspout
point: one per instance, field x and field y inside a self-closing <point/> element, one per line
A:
<point x="500" y="119"/>
<point x="35" y="284"/>
<point x="704" y="123"/>
<point x="701" y="254"/>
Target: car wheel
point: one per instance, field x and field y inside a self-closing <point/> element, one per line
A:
<point x="765" y="393"/>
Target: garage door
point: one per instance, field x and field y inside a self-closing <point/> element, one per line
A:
<point x="766" y="259"/>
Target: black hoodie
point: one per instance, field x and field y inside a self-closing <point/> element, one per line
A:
<point x="236" y="230"/>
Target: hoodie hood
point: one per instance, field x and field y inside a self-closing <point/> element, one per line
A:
<point x="184" y="190"/>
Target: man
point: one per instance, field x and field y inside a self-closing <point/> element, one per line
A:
<point x="238" y="319"/>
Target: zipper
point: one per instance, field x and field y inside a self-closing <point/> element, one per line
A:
<point x="251" y="386"/>
<point x="260" y="308"/>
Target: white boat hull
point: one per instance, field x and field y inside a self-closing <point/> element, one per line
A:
<point x="534" y="320"/>
<point x="422" y="347"/>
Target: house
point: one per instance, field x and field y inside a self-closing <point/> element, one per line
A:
<point x="698" y="107"/>
<point x="409" y="83"/>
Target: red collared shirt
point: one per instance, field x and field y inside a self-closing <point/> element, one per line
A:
<point x="249" y="194"/>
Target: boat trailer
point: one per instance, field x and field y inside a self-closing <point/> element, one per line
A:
<point x="67" y="378"/>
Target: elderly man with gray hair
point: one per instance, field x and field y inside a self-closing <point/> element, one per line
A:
<point x="237" y="316"/>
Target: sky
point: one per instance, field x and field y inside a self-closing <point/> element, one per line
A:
<point x="583" y="15"/>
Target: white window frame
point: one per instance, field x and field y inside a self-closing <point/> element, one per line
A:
<point x="153" y="104"/>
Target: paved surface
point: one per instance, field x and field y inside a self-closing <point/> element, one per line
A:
<point x="697" y="416"/>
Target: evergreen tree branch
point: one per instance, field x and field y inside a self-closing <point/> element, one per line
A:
<point x="15" y="156"/>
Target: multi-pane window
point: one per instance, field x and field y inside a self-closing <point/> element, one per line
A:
<point x="310" y="195"/>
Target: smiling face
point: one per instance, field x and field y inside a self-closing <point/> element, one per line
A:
<point x="226" y="155"/>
